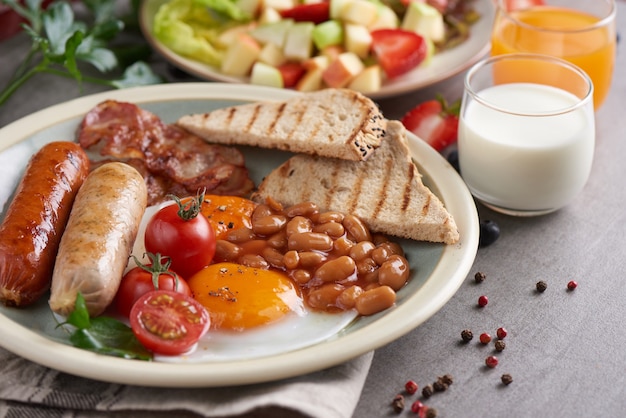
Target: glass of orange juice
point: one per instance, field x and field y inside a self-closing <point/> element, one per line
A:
<point x="579" y="31"/>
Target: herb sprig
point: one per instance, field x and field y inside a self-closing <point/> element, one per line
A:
<point x="60" y="43"/>
<point x="102" y="334"/>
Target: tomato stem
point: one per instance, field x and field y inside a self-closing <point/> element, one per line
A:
<point x="158" y="265"/>
<point x="189" y="209"/>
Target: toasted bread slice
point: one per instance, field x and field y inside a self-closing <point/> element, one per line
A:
<point x="337" y="123"/>
<point x="386" y="191"/>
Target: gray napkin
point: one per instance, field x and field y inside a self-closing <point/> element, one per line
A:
<point x="30" y="390"/>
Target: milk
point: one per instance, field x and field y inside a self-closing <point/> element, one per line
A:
<point x="526" y="163"/>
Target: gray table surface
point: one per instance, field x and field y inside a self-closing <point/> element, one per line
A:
<point x="566" y="350"/>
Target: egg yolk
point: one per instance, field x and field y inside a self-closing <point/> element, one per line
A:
<point x="240" y="297"/>
<point x="226" y="213"/>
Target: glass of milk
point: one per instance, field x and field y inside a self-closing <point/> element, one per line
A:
<point x="526" y="133"/>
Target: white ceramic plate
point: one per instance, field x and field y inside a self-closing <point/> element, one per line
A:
<point x="442" y="66"/>
<point x="437" y="270"/>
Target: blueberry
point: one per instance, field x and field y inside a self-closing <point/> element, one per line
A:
<point x="489" y="233"/>
<point x="453" y="159"/>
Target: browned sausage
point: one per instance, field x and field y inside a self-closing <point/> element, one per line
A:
<point x="35" y="220"/>
<point x="98" y="239"/>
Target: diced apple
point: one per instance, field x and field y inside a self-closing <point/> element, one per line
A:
<point x="328" y="33"/>
<point x="266" y="75"/>
<point x="269" y="15"/>
<point x="386" y="19"/>
<point x="424" y="20"/>
<point x="357" y="40"/>
<point x="231" y="35"/>
<point x="249" y="7"/>
<point x="361" y="12"/>
<point x="240" y="56"/>
<point x="272" y="55"/>
<point x="299" y="41"/>
<point x="275" y="33"/>
<point x="342" y="70"/>
<point x="311" y="80"/>
<point x="332" y="52"/>
<point x="368" y="81"/>
<point x="278" y="4"/>
<point x="335" y="8"/>
<point x="320" y="62"/>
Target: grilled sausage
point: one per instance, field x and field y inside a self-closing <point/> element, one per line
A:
<point x="35" y="220"/>
<point x="98" y="239"/>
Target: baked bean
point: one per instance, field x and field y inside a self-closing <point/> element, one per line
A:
<point x="297" y="225"/>
<point x="254" y="260"/>
<point x="370" y="277"/>
<point x="385" y="250"/>
<point x="342" y="246"/>
<point x="310" y="241"/>
<point x="325" y="297"/>
<point x="227" y="251"/>
<point x="311" y="259"/>
<point x="366" y="265"/>
<point x="240" y="235"/>
<point x="273" y="257"/>
<point x="332" y="229"/>
<point x="301" y="276"/>
<point x="307" y="209"/>
<point x="330" y="216"/>
<point x="337" y="270"/>
<point x="361" y="250"/>
<point x="278" y="240"/>
<point x="378" y="239"/>
<point x="393" y="247"/>
<point x="394" y="272"/>
<point x="274" y="204"/>
<point x="356" y="228"/>
<point x="254" y="246"/>
<point x="347" y="298"/>
<point x="375" y="300"/>
<point x="259" y="212"/>
<point x="291" y="259"/>
<point x="268" y="225"/>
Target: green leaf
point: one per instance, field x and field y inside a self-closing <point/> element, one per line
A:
<point x="138" y="74"/>
<point x="111" y="337"/>
<point x="72" y="44"/>
<point x="80" y="316"/>
<point x="58" y="22"/>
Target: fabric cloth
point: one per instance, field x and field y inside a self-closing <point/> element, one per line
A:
<point x="31" y="390"/>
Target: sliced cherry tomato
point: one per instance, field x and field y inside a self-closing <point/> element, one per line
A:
<point x="291" y="72"/>
<point x="145" y="278"/>
<point x="167" y="322"/>
<point x="398" y="51"/>
<point x="435" y="122"/>
<point x="176" y="231"/>
<point x="227" y="213"/>
<point x="313" y="12"/>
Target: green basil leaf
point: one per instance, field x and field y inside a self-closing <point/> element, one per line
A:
<point x="138" y="74"/>
<point x="80" y="316"/>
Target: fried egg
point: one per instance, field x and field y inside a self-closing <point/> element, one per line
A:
<point x="254" y="312"/>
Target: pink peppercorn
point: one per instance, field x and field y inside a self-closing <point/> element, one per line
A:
<point x="501" y="333"/>
<point x="410" y="387"/>
<point x="572" y="285"/>
<point x="491" y="361"/>
<point x="416" y="407"/>
<point x="485" y="338"/>
<point x="483" y="301"/>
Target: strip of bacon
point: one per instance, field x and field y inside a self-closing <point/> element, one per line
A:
<point x="171" y="160"/>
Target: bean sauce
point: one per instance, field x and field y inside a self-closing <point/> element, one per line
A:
<point x="333" y="257"/>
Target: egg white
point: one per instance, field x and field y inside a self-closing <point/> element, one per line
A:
<point x="291" y="332"/>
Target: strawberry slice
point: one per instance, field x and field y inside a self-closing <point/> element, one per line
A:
<point x="312" y="12"/>
<point x="435" y="122"/>
<point x="398" y="51"/>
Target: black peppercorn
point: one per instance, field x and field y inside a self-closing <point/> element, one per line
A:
<point x="480" y="277"/>
<point x="467" y="335"/>
<point x="439" y="386"/>
<point x="500" y="345"/>
<point x="398" y="403"/>
<point x="506" y="379"/>
<point x="447" y="379"/>
<point x="541" y="286"/>
<point x="427" y="391"/>
<point x="431" y="413"/>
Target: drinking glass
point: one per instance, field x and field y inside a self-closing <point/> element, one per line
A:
<point x="526" y="133"/>
<point x="579" y="31"/>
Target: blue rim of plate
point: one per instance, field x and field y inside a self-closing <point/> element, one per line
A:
<point x="416" y="304"/>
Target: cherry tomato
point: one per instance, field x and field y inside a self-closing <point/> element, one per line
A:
<point x="176" y="231"/>
<point x="167" y="322"/>
<point x="145" y="278"/>
<point x="226" y="213"/>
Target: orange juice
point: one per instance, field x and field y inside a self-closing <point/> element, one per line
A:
<point x="561" y="32"/>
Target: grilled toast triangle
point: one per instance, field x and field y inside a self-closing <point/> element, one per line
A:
<point x="338" y="123"/>
<point x="386" y="191"/>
